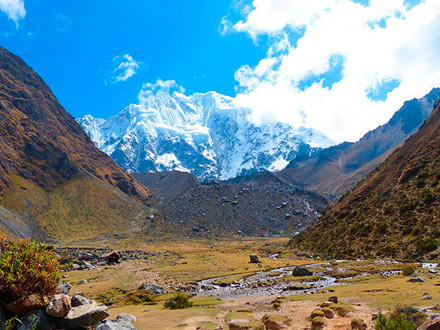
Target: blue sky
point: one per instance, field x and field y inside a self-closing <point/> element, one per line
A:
<point x="71" y="44"/>
<point x="342" y="67"/>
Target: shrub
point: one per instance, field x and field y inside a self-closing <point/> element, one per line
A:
<point x="393" y="322"/>
<point x="26" y="267"/>
<point x="408" y="271"/>
<point x="180" y="301"/>
<point x="428" y="245"/>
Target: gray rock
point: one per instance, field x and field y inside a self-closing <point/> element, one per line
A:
<point x="254" y="259"/>
<point x="37" y="320"/>
<point x="155" y="288"/>
<point x="301" y="271"/>
<point x="82" y="282"/>
<point x="59" y="305"/>
<point x="84" y="315"/>
<point x="76" y="267"/>
<point x="79" y="300"/>
<point x="64" y="287"/>
<point x="427" y="297"/>
<point x="417" y="280"/>
<point x="123" y="322"/>
<point x="409" y="310"/>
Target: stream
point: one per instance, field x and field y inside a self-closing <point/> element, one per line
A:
<point x="265" y="283"/>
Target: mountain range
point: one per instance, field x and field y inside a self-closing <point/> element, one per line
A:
<point x="394" y="212"/>
<point x="204" y="134"/>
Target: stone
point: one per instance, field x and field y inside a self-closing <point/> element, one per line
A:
<point x="76" y="267"/>
<point x="328" y="313"/>
<point x="36" y="320"/>
<point x="83" y="316"/>
<point x="111" y="257"/>
<point x="301" y="271"/>
<point x="333" y="299"/>
<point x="274" y="321"/>
<point x="59" y="305"/>
<point x="64" y="287"/>
<point x="254" y="259"/>
<point x="416" y="280"/>
<point x="431" y="324"/>
<point x="82" y="282"/>
<point x="358" y="324"/>
<point x="155" y="288"/>
<point x="122" y="322"/>
<point x="28" y="304"/>
<point x="79" y="300"/>
<point x="427" y="297"/>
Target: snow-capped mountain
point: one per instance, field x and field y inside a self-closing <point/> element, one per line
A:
<point x="205" y="134"/>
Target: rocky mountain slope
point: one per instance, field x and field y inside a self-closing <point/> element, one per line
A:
<point x="54" y="183"/>
<point x="394" y="212"/>
<point x="337" y="169"/>
<point x="257" y="205"/>
<point x="204" y="134"/>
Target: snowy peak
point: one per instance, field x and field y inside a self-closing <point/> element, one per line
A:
<point x="205" y="134"/>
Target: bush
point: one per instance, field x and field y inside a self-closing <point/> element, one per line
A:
<point x="26" y="267"/>
<point x="428" y="245"/>
<point x="393" y="322"/>
<point x="178" y="302"/>
<point x="408" y="271"/>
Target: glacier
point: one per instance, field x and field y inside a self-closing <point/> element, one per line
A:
<point x="205" y="134"/>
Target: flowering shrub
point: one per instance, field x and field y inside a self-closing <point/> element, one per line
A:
<point x="26" y="267"/>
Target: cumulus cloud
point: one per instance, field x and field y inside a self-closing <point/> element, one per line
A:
<point x="125" y="67"/>
<point x="339" y="66"/>
<point x="160" y="85"/>
<point x="14" y="9"/>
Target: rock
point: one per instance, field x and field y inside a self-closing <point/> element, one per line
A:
<point x="431" y="324"/>
<point x="76" y="267"/>
<point x="83" y="316"/>
<point x="123" y="322"/>
<point x="254" y="259"/>
<point x="36" y="320"/>
<point x="82" y="282"/>
<point x="301" y="271"/>
<point x="427" y="297"/>
<point x="155" y="288"/>
<point x="64" y="287"/>
<point x="374" y="316"/>
<point x="275" y="321"/>
<point x="409" y="310"/>
<point x="416" y="280"/>
<point x="59" y="305"/>
<point x="245" y="324"/>
<point x="111" y="257"/>
<point x="28" y="304"/>
<point x="333" y="299"/>
<point x="318" y="323"/>
<point x="79" y="300"/>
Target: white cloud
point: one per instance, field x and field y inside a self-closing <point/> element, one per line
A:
<point x="126" y="67"/>
<point x="384" y="41"/>
<point x="14" y="9"/>
<point x="159" y="86"/>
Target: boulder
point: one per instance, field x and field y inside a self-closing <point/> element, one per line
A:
<point x="301" y="271"/>
<point x="333" y="299"/>
<point x="59" y="305"/>
<point x="254" y="259"/>
<point x="122" y="322"/>
<point x="431" y="324"/>
<point x="155" y="288"/>
<point x="111" y="257"/>
<point x="64" y="287"/>
<point x="28" y="304"/>
<point x="416" y="280"/>
<point x="79" y="300"/>
<point x="36" y="320"/>
<point x="275" y="321"/>
<point x="83" y="316"/>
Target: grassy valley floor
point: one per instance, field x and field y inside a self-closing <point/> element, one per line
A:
<point x="241" y="290"/>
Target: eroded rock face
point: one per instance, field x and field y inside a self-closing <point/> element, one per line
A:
<point x="59" y="305"/>
<point x="28" y="304"/>
<point x="84" y="315"/>
<point x="431" y="324"/>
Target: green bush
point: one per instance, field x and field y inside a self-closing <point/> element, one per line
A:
<point x="393" y="322"/>
<point x="428" y="245"/>
<point x="180" y="301"/>
<point x="408" y="271"/>
<point x="26" y="267"/>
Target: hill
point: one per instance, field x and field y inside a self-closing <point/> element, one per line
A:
<point x="394" y="212"/>
<point x="54" y="183"/>
<point x="332" y="171"/>
<point x="255" y="205"/>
